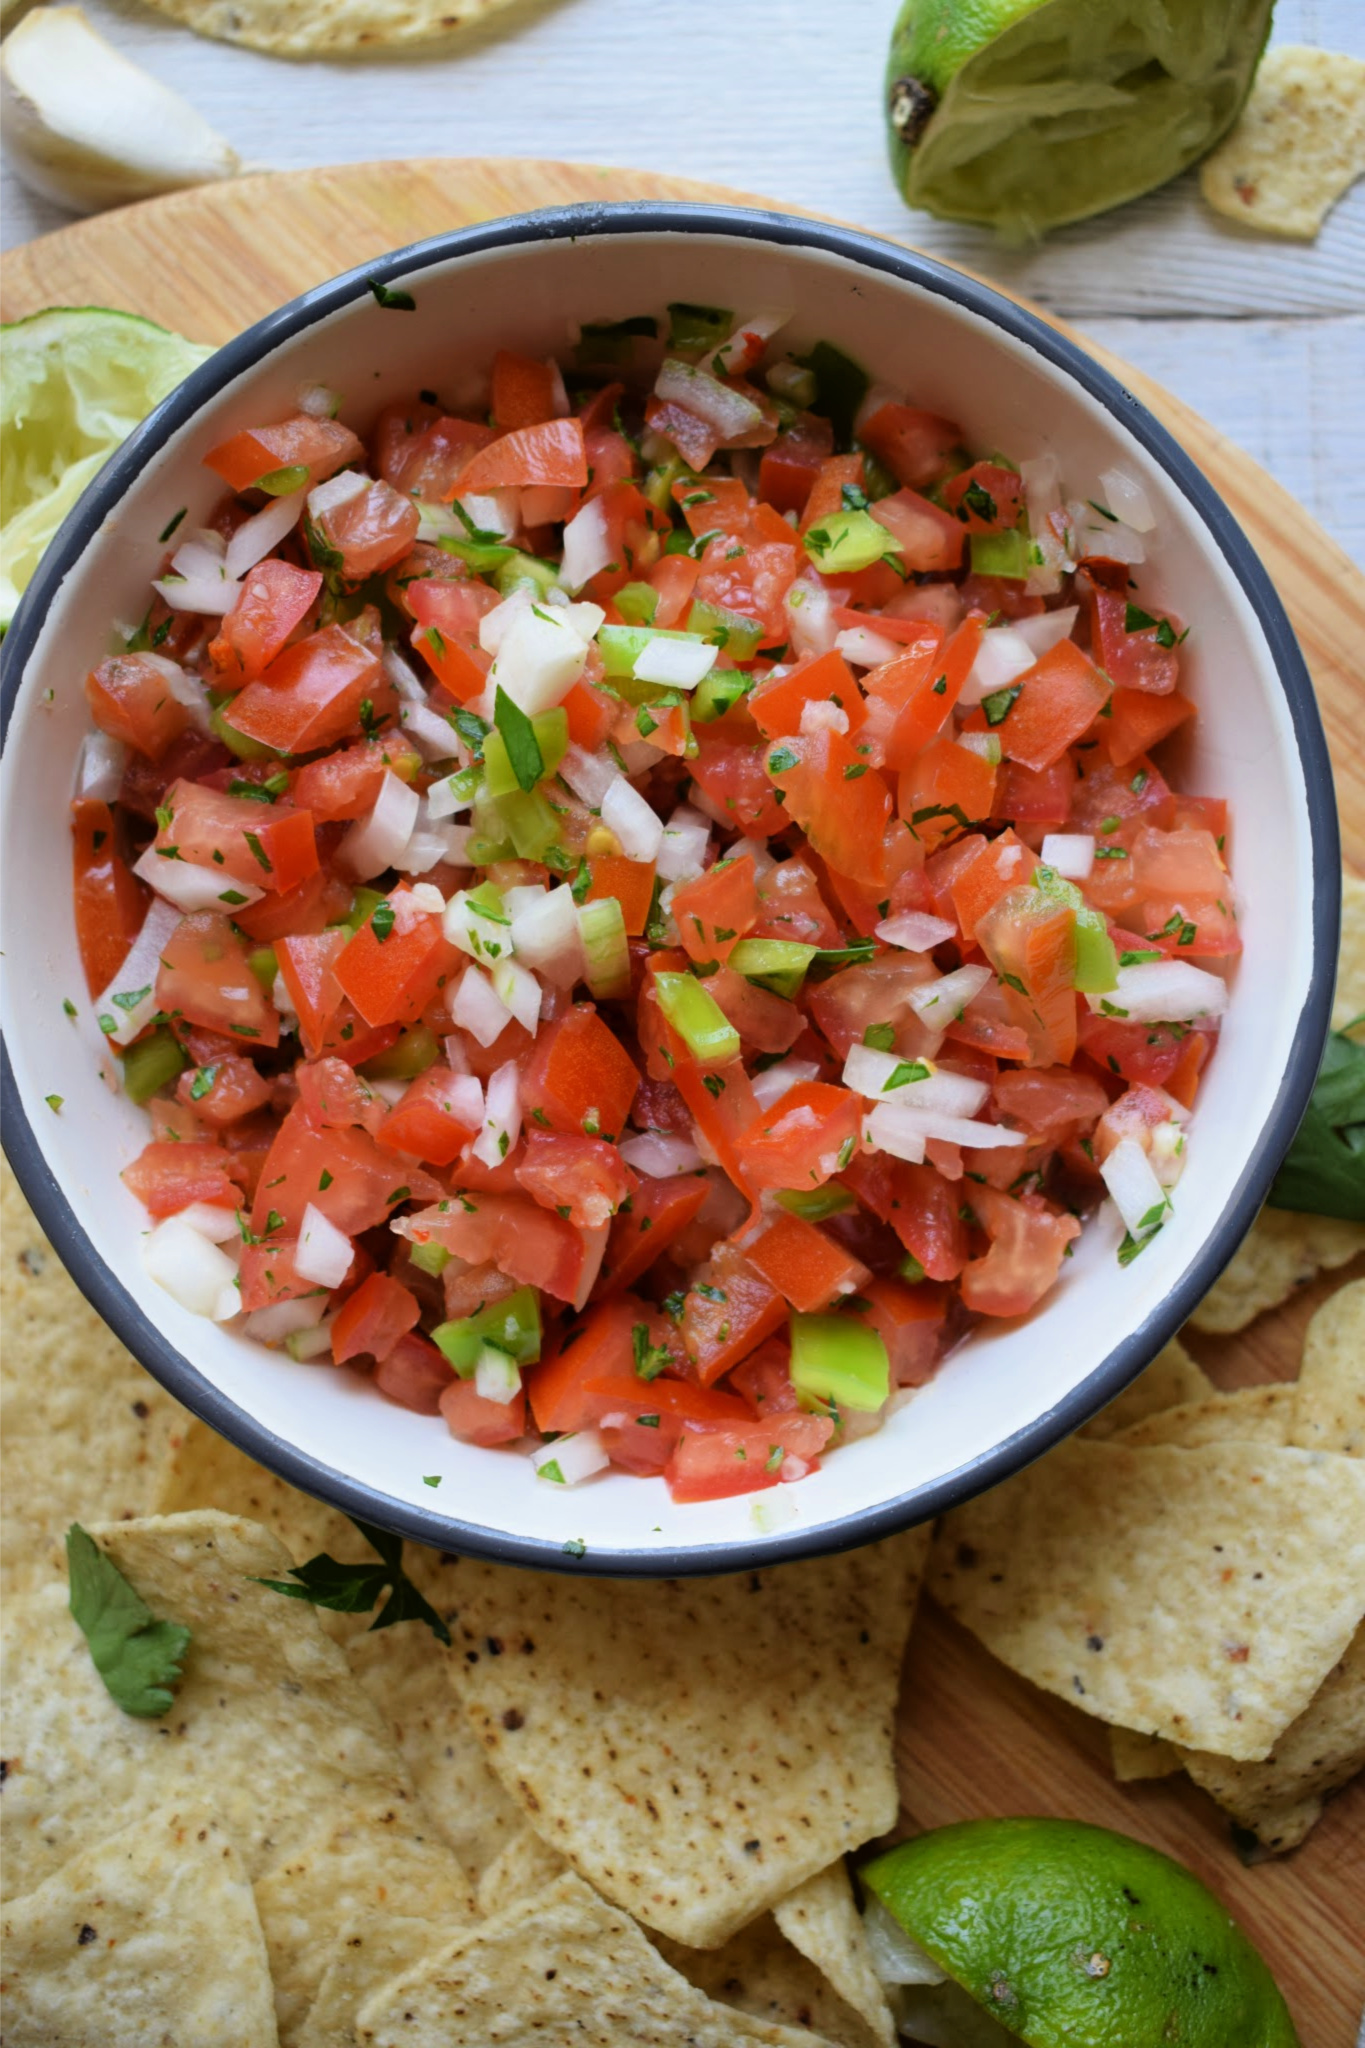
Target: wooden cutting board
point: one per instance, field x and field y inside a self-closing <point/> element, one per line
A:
<point x="972" y="1739"/>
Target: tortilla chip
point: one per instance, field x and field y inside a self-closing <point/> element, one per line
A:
<point x="1282" y="1250"/>
<point x="357" y="1964"/>
<point x="1298" y="144"/>
<point x="1172" y="1376"/>
<point x="203" y="1470"/>
<point x="1203" y="1595"/>
<point x="1250" y="1415"/>
<point x="149" y="1937"/>
<point x="758" y="1972"/>
<point x="1329" y="1410"/>
<point x="268" y="1723"/>
<point x="1281" y="1799"/>
<point x="1135" y="1756"/>
<point x="1349" y="1002"/>
<point x="357" y="1868"/>
<point x="524" y="1867"/>
<point x="326" y="27"/>
<point x="407" y="1675"/>
<point x="696" y="1748"/>
<point x="562" y="1966"/>
<point x="821" y="1919"/>
<point x="69" y="1382"/>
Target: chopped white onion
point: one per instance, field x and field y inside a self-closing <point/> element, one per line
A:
<point x="540" y="660"/>
<point x="738" y="354"/>
<point x="916" y="930"/>
<point x="403" y="677"/>
<point x="1168" y="1152"/>
<point x="1164" y="992"/>
<point x="870" y="1073"/>
<point x="433" y="735"/>
<point x="570" y="1459"/>
<point x="863" y="648"/>
<point x="281" y="1319"/>
<point x="338" y="490"/>
<point x="594" y="1238"/>
<point x="682" y="850"/>
<point x="99" y="772"/>
<point x="437" y="522"/>
<point x="201" y="553"/>
<point x="1137" y="1194"/>
<point x="430" y="844"/>
<point x="939" y="1002"/>
<point x="729" y="413"/>
<point x="902" y="1137"/>
<point x="545" y="936"/>
<point x="1124" y="494"/>
<point x="638" y="829"/>
<point x="464" y="1093"/>
<point x="659" y="1154"/>
<point x="494" y="626"/>
<point x="521" y="992"/>
<point x="1093" y="534"/>
<point x="589" y="776"/>
<point x="496" y="1376"/>
<point x="675" y="664"/>
<point x="1072" y="854"/>
<point x="474" y="929"/>
<point x="587" y="546"/>
<point x="324" y="1253"/>
<point x="137" y="977"/>
<point x="377" y="840"/>
<point x="191" y="887"/>
<point x="502" y="1114"/>
<point x="211" y="1219"/>
<point x="890" y="1126"/>
<point x="810" y="616"/>
<point x="193" y="1271"/>
<point x="496" y="512"/>
<point x="1001" y="659"/>
<point x="281" y="999"/>
<point x="478" y="1008"/>
<point x="314" y="1343"/>
<point x="202" y="594"/>
<point x="1042" y="480"/>
<point x="443" y="802"/>
<point x="255" y="537"/>
<point x="187" y="690"/>
<point x="318" y="401"/>
<point x="1046" y="629"/>
<point x="986" y="744"/>
<point x="818" y="716"/>
<point x="773" y="1083"/>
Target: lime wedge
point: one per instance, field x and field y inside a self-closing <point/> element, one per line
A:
<point x="1070" y="1936"/>
<point x="1025" y="114"/>
<point x="74" y="382"/>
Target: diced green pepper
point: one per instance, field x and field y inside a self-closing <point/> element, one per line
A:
<point x="718" y="693"/>
<point x="530" y="820"/>
<point x="511" y="1325"/>
<point x="551" y="730"/>
<point x="1097" y="962"/>
<point x="525" y="572"/>
<point x="238" y="743"/>
<point x="723" y="628"/>
<point x="481" y="557"/>
<point x="364" y="904"/>
<point x="417" y="1049"/>
<point x="430" y="1258"/>
<point x="637" y="604"/>
<point x="264" y="965"/>
<point x="778" y="964"/>
<point x="835" y="1358"/>
<point x="846" y="542"/>
<point x="840" y="387"/>
<point x="622" y="647"/>
<point x="150" y="1064"/>
<point x="658" y="485"/>
<point x="698" y="326"/>
<point x="698" y="1019"/>
<point x="813" y="1205"/>
<point x="1001" y="554"/>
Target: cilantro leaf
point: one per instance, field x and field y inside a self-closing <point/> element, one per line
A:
<point x="1324" y="1173"/>
<point x="392" y="301"/>
<point x="650" y="1359"/>
<point x="519" y="737"/>
<point x="138" y="1657"/>
<point x="355" y="1588"/>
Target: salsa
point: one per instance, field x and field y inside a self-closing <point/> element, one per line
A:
<point x="639" y="917"/>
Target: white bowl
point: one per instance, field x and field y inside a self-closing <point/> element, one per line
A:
<point x="959" y="349"/>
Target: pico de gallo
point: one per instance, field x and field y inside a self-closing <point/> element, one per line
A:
<point x="642" y="909"/>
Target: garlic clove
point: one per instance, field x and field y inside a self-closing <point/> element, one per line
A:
<point x="89" y="129"/>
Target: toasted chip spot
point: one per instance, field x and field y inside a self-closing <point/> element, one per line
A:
<point x="1298" y="145"/>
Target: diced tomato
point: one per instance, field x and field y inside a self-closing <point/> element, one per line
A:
<point x="276" y="598"/>
<point x="714" y="912"/>
<point x="110" y="901"/>
<point x="711" y="1464"/>
<point x="791" y="907"/>
<point x="631" y="882"/>
<point x="346" y="783"/>
<point x="335" y="1098"/>
<point x="168" y="1176"/>
<point x="533" y="1245"/>
<point x="776" y="705"/>
<point x="1135" y="792"/>
<point x="321" y="446"/>
<point x="764" y="1379"/>
<point x="312" y="695"/>
<point x="660" y="1210"/>
<point x="448" y="615"/>
<point x="582" y="1178"/>
<point x="996" y="867"/>
<point x="272" y="845"/>
<point x="204" y="978"/>
<point x="307" y="964"/>
<point x="370" y="1322"/>
<point x="804" y="1139"/>
<point x="729" y="1309"/>
<point x="341" y="1172"/>
<point x="1028" y="1244"/>
<point x="421" y="451"/>
<point x="473" y="1418"/>
<point x="1053" y="1104"/>
<point x="425" y="1122"/>
<point x="792" y="462"/>
<point x="845" y="1006"/>
<point x="1035" y="796"/>
<point x="601" y="1348"/>
<point x="1059" y="699"/>
<point x="1030" y="941"/>
<point x="805" y="1265"/>
<point x="917" y="447"/>
<point x="924" y="1216"/>
<point x="268" y="1274"/>
<point x="729" y="769"/>
<point x="1136" y="659"/>
<point x="1140" y="720"/>
<point x="986" y="497"/>
<point x="945" y="787"/>
<point x="553" y="452"/>
<point x="1184" y="1080"/>
<point x="370" y="531"/>
<point x="416" y="1375"/>
<point x="224" y="1092"/>
<point x="392" y="979"/>
<point x="840" y="802"/>
<point x="131" y="699"/>
<point x="524" y="391"/>
<point x="309" y="907"/>
<point x="909" y="1321"/>
<point x="1137" y="1052"/>
<point x="927" y="539"/>
<point x="1135" y="1114"/>
<point x="580" y="1078"/>
<point x="590" y="713"/>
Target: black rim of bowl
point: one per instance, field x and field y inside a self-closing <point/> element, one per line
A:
<point x="1132" y="1352"/>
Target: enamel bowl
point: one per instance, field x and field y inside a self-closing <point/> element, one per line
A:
<point x="957" y="348"/>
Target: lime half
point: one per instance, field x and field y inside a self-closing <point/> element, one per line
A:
<point x="1072" y="1937"/>
<point x="74" y="382"/>
<point x="1025" y="114"/>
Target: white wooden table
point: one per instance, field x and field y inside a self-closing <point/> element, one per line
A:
<point x="783" y="97"/>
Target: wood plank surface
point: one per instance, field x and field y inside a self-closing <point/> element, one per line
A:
<point x="973" y="1739"/>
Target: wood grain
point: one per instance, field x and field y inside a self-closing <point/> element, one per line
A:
<point x="973" y="1739"/>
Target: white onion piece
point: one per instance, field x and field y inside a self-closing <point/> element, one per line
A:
<point x="594" y="1238"/>
<point x="986" y="744"/>
<point x="403" y="677"/>
<point x="1046" y="629"/>
<point x="469" y="926"/>
<point x="314" y="1343"/>
<point x="1164" y="992"/>
<point x="319" y="401"/>
<point x="202" y="594"/>
<point x="660" y="1154"/>
<point x="736" y="355"/>
<point x="281" y="1319"/>
<point x="570" y="1459"/>
<point x="902" y="1137"/>
<point x="822" y="717"/>
<point x="939" y="1002"/>
<point x="868" y="1073"/>
<point x="137" y="976"/>
<point x="433" y="736"/>
<point x="426" y="849"/>
<point x="1168" y="1152"/>
<point x="256" y="536"/>
<point x="638" y="828"/>
<point x="457" y="1059"/>
<point x="338" y="490"/>
<point x="478" y="1008"/>
<point x="773" y="1083"/>
<point x="1137" y="1194"/>
<point x="494" y="626"/>
<point x="437" y="522"/>
<point x="494" y="511"/>
<point x="587" y="546"/>
<point x="810" y="615"/>
<point x="521" y="992"/>
<point x="675" y="664"/>
<point x="464" y="1093"/>
<point x="191" y="887"/>
<point x="1124" y="494"/>
<point x="545" y="936"/>
<point x="908" y="1124"/>
<point x="1093" y="534"/>
<point x="861" y="647"/>
<point x="682" y="850"/>
<point x="728" y="412"/>
<point x="496" y="1376"/>
<point x="377" y="840"/>
<point x="1001" y="659"/>
<point x="442" y="801"/>
<point x="201" y="552"/>
<point x="211" y="1220"/>
<point x="324" y="1253"/>
<point x="589" y="776"/>
<point x="187" y="690"/>
<point x="539" y="661"/>
<point x="916" y="930"/>
<point x="1042" y="480"/>
<point x="99" y="772"/>
<point x="1072" y="854"/>
<point x="502" y="1114"/>
<point x="193" y="1271"/>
